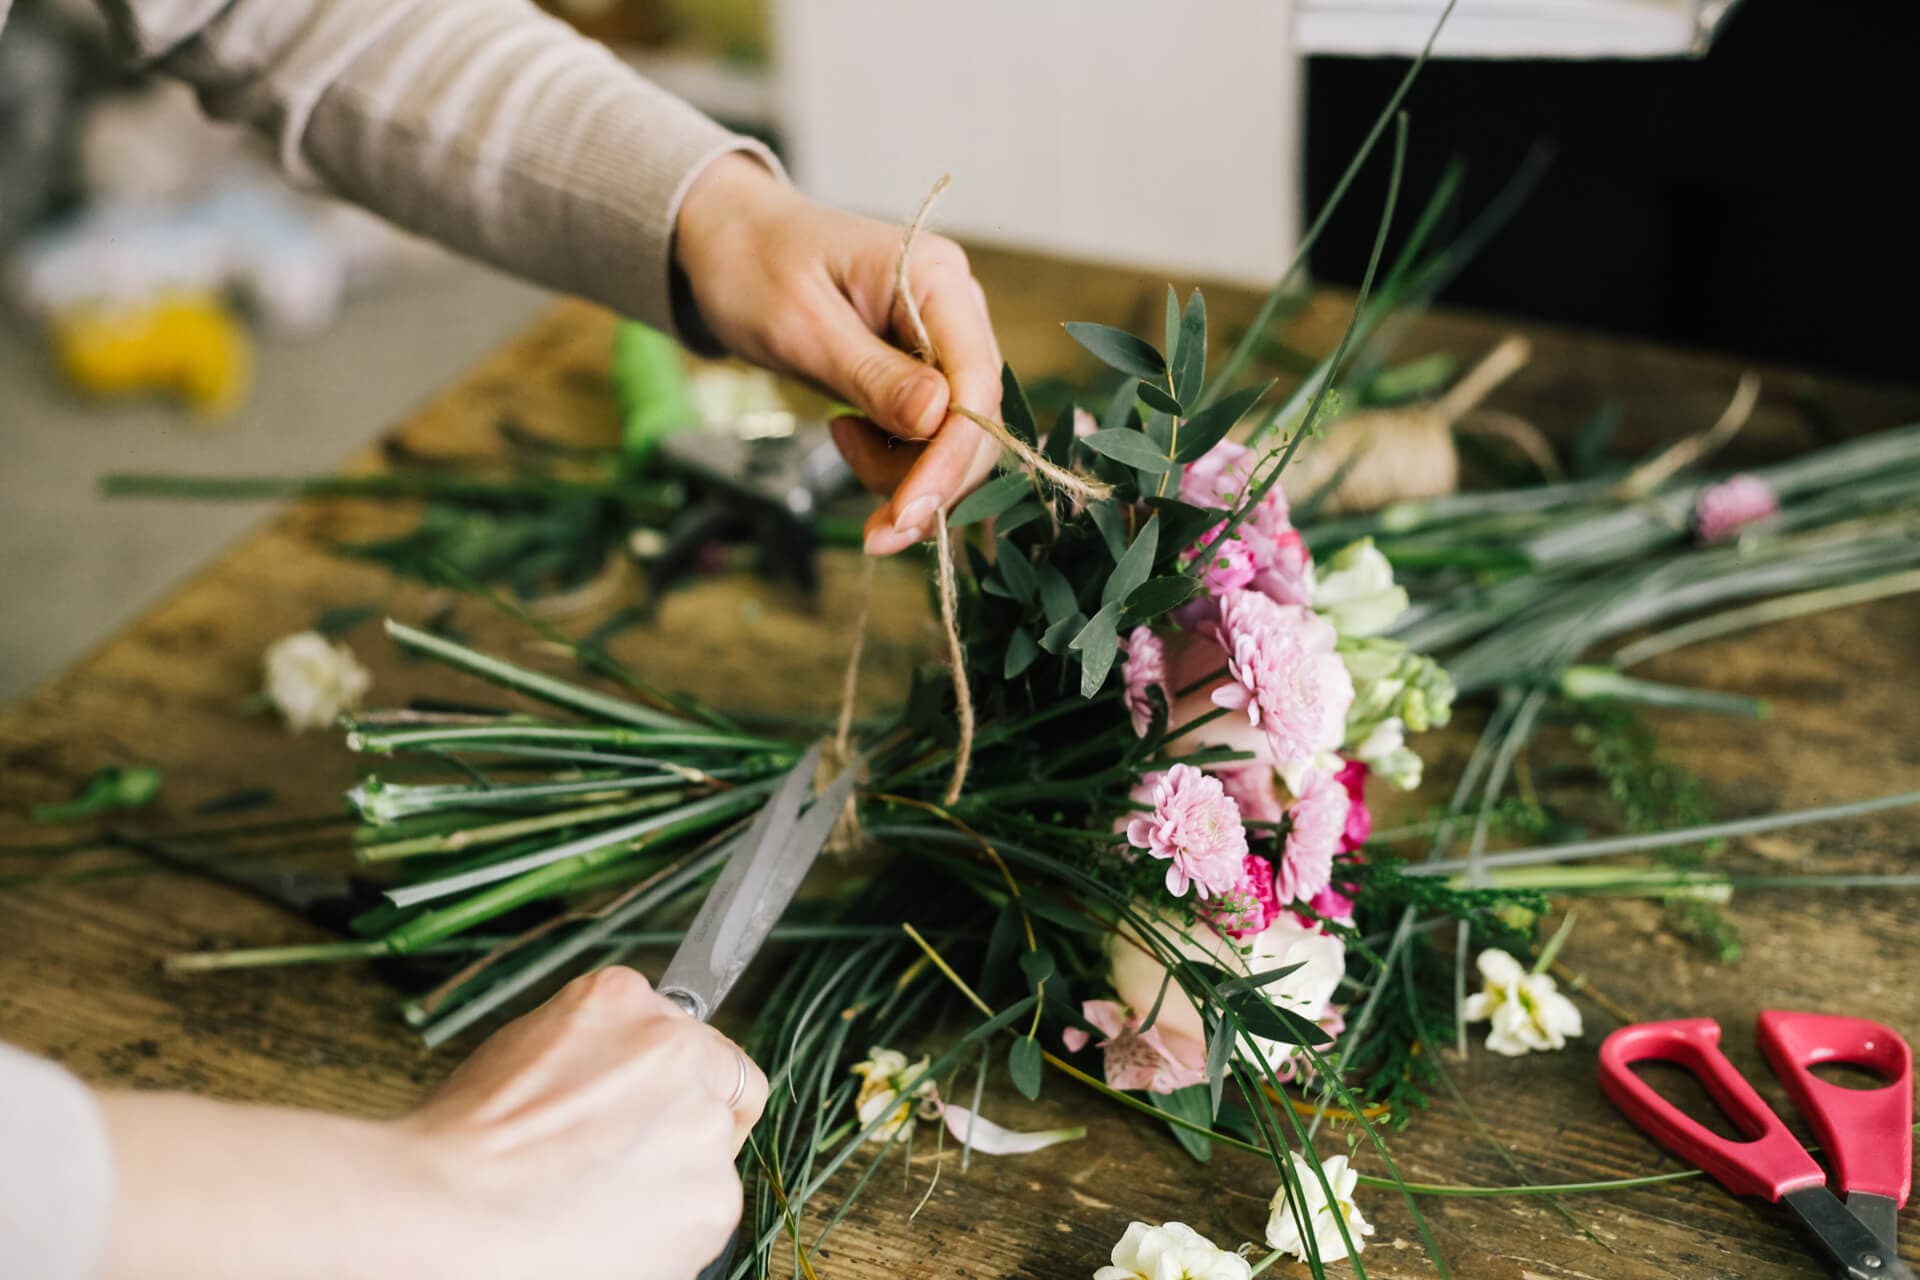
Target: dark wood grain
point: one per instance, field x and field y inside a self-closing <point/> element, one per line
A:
<point x="80" y="975"/>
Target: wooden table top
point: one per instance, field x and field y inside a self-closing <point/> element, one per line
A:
<point x="80" y="971"/>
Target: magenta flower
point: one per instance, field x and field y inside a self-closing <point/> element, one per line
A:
<point x="1724" y="509"/>
<point x="1196" y="828"/>
<point x="1251" y="905"/>
<point x="1144" y="669"/>
<point x="1285" y="675"/>
<point x="1353" y="778"/>
<point x="1135" y="1059"/>
<point x="1316" y="822"/>
<point x="1331" y="903"/>
<point x="1230" y="567"/>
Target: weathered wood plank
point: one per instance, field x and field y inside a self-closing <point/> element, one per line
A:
<point x="79" y="963"/>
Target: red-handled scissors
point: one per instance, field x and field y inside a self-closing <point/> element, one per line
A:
<point x="1867" y="1134"/>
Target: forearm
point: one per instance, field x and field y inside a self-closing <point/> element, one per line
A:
<point x="482" y="124"/>
<point x="208" y="1190"/>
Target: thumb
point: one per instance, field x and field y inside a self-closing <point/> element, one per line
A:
<point x="904" y="397"/>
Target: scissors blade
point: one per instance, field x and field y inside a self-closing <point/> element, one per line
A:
<point x="753" y="891"/>
<point x="1855" y="1250"/>
<point x="1880" y="1213"/>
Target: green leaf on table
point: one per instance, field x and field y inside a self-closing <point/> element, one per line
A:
<point x="1192" y="1105"/>
<point x="1160" y="595"/>
<point x="1021" y="651"/>
<point x="1188" y="356"/>
<point x="1023" y="1064"/>
<point x="1135" y="567"/>
<point x="1097" y="643"/>
<point x="1157" y="396"/>
<point x="1018" y="571"/>
<point x="1112" y="524"/>
<point x="1014" y="409"/>
<point x="990" y="499"/>
<point x="109" y="789"/>
<point x="1118" y="349"/>
<point x="337" y="621"/>
<point x="1208" y="427"/>
<point x="1130" y="447"/>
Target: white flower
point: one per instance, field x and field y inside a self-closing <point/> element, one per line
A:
<point x="311" y="680"/>
<point x="1526" y="1009"/>
<point x="884" y="1075"/>
<point x="1171" y="1251"/>
<point x="1321" y="1214"/>
<point x="1385" y="751"/>
<point x="1356" y="591"/>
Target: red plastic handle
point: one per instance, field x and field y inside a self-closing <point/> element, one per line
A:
<point x="1866" y="1133"/>
<point x="1769" y="1163"/>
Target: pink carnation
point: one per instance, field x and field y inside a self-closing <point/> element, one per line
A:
<point x="1283" y="569"/>
<point x="1285" y="675"/>
<point x="1230" y="567"/>
<point x="1331" y="903"/>
<point x="1318" y="820"/>
<point x="1219" y="477"/>
<point x="1135" y="1059"/>
<point x="1144" y="669"/>
<point x="1353" y="779"/>
<point x="1724" y="509"/>
<point x="1196" y="828"/>
<point x="1251" y="905"/>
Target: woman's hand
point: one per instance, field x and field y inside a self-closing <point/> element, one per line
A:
<point x="591" y="1139"/>
<point x="808" y="291"/>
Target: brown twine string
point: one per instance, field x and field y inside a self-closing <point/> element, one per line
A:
<point x="1650" y="475"/>
<point x="1078" y="487"/>
<point x="1393" y="455"/>
<point x="846" y="836"/>
<point x="957" y="654"/>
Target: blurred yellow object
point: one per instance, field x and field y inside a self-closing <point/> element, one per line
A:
<point x="187" y="344"/>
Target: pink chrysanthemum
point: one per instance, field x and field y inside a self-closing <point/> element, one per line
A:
<point x="1196" y="828"/>
<point x="1144" y="669"/>
<point x="1285" y="675"/>
<point x="1353" y="778"/>
<point x="1135" y="1059"/>
<point x="1316" y="822"/>
<point x="1251" y="788"/>
<point x="1724" y="509"/>
<point x="1251" y="905"/>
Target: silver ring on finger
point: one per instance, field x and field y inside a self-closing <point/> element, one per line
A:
<point x="740" y="1082"/>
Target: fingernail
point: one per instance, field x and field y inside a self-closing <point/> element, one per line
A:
<point x="915" y="405"/>
<point x="914" y="516"/>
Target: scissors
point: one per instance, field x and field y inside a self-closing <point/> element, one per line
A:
<point x="1867" y="1134"/>
<point x="760" y="878"/>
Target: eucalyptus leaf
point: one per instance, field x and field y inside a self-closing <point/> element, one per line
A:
<point x="1014" y="409"/>
<point x="1188" y="356"/>
<point x="1173" y="326"/>
<point x="1017" y="571"/>
<point x="1056" y="593"/>
<point x="1118" y="349"/>
<point x="1022" y="514"/>
<point x="1208" y="427"/>
<point x="1097" y="644"/>
<point x="1060" y="439"/>
<point x="1021" y="652"/>
<point x="1135" y="566"/>
<point x="1057" y="637"/>
<point x="990" y="499"/>
<point x="1160" y="595"/>
<point x="1037" y="965"/>
<point x="1158" y="397"/>
<point x="1219" y="1063"/>
<point x="1122" y="412"/>
<point x="1112" y="525"/>
<point x="1132" y="448"/>
<point x="1023" y="1065"/>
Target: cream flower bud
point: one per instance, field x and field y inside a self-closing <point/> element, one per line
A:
<point x="1169" y="1251"/>
<point x="1356" y="591"/>
<point x="311" y="680"/>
